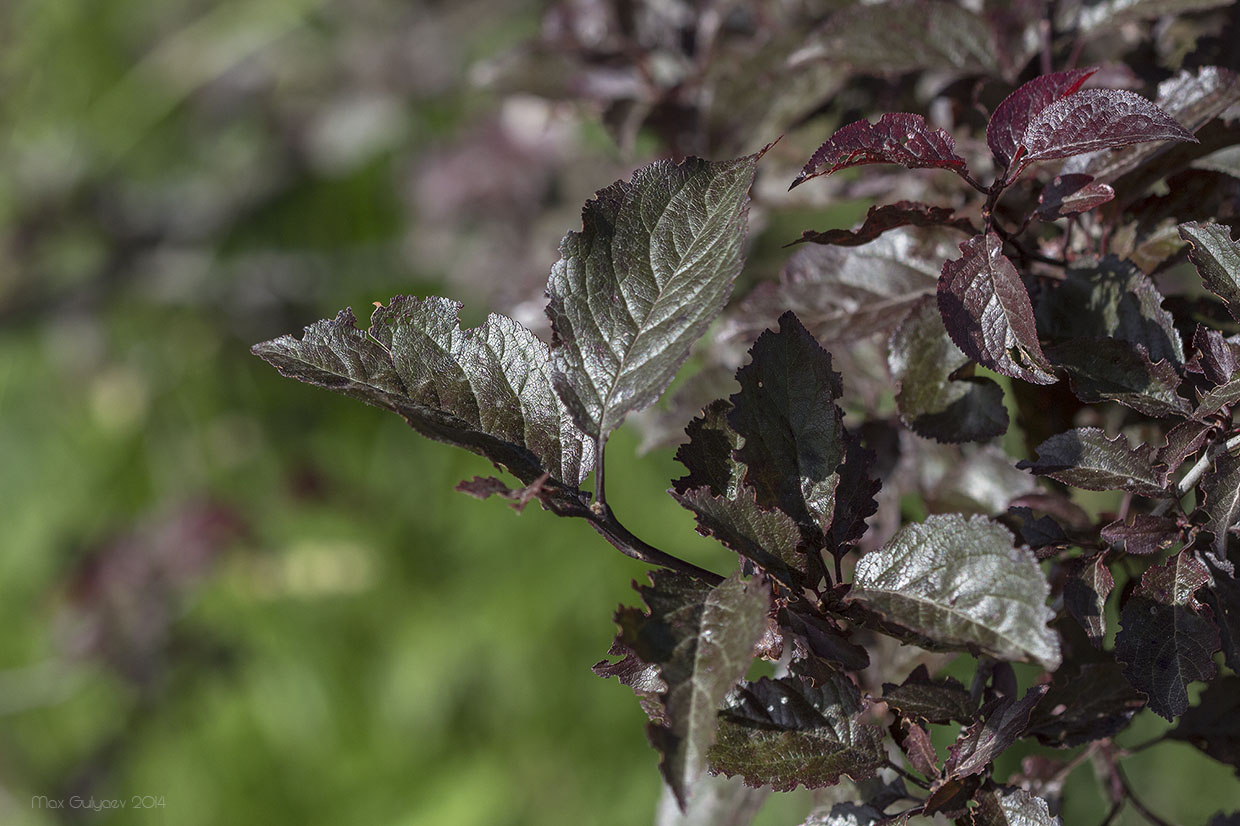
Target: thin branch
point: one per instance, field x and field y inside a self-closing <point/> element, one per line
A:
<point x="604" y="521"/>
<point x="1136" y="802"/>
<point x="1195" y="473"/>
<point x="907" y="775"/>
<point x="1111" y="815"/>
<point x="1142" y="746"/>
<point x="973" y="182"/>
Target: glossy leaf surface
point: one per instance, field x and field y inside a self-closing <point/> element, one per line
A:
<point x="652" y="266"/>
<point x="488" y="390"/>
<point x="962" y="584"/>
<point x="987" y="311"/>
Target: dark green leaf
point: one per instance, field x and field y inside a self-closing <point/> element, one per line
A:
<point x="791" y="732"/>
<point x="1167" y="639"/>
<point x="933" y="404"/>
<point x="651" y="268"/>
<point x="488" y="390"/>
<point x="702" y="639"/>
<point x="1213" y="725"/>
<point x="936" y="701"/>
<point x="1217" y="259"/>
<point x="1110" y="299"/>
<point x="1085" y="595"/>
<point x="963" y="584"/>
<point x="1004" y="720"/>
<point x="791" y="428"/>
<point x="1104" y="369"/>
<point x="765" y="536"/>
<point x="1008" y="806"/>
<point x="1086" y="458"/>
<point x="1089" y="703"/>
<point x="987" y="311"/>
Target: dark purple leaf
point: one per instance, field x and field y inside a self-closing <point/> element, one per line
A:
<point x="1217" y="398"/>
<point x="702" y="640"/>
<point x="1213" y="725"/>
<point x="933" y="404"/>
<point x="914" y="741"/>
<point x="1217" y="358"/>
<point x="708" y="453"/>
<point x="1183" y="440"/>
<point x="1109" y="369"/>
<point x="987" y="311"/>
<point x="935" y="701"/>
<point x="1223" y="596"/>
<point x="1191" y="99"/>
<point x="1085" y="593"/>
<point x="786" y="414"/>
<point x="1217" y="259"/>
<point x="1094" y="19"/>
<point x="1041" y="533"/>
<point x="1167" y="638"/>
<point x="1069" y="195"/>
<point x="1220" y="819"/>
<point x="1143" y="534"/>
<point x="1221" y="502"/>
<point x="1086" y="458"/>
<point x="1110" y="299"/>
<point x="854" y="496"/>
<point x="880" y="219"/>
<point x="631" y="670"/>
<point x="898" y="137"/>
<point x="846" y="293"/>
<point x="488" y="390"/>
<point x="824" y="640"/>
<point x="794" y="731"/>
<point x="1011" y="118"/>
<point x="1083" y="705"/>
<point x="765" y="536"/>
<point x="951" y="796"/>
<point x="1094" y="119"/>
<point x="1003" y="721"/>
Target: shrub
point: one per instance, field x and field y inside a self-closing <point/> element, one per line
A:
<point x="1036" y="290"/>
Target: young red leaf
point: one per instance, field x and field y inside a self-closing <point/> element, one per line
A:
<point x="987" y="311"/>
<point x="880" y="219"/>
<point x="1095" y="119"/>
<point x="898" y="137"/>
<point x="1011" y="117"/>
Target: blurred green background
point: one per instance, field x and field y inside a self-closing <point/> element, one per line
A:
<point x="230" y="598"/>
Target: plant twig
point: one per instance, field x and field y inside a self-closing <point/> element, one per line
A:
<point x="1195" y="473"/>
<point x="907" y="775"/>
<point x="1111" y="815"/>
<point x="605" y="522"/>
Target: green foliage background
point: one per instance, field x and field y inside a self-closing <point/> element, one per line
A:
<point x="371" y="647"/>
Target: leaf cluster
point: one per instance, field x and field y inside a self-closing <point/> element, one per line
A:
<point x="887" y="362"/>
